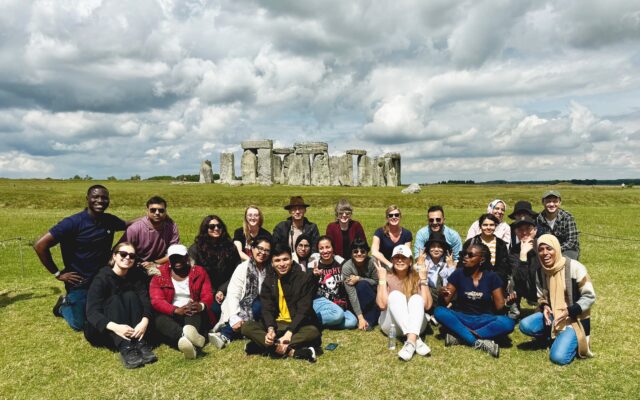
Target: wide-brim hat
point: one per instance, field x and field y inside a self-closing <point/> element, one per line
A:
<point x="520" y="206"/>
<point x="437" y="237"/>
<point x="296" y="201"/>
<point x="524" y="220"/>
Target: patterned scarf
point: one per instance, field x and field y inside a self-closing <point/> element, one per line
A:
<point x="251" y="291"/>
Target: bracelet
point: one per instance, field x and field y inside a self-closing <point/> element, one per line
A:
<point x="57" y="274"/>
<point x="381" y="282"/>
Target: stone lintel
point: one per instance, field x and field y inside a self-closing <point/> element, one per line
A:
<point x="283" y="150"/>
<point x="257" y="144"/>
<point x="393" y="156"/>
<point x="356" y="152"/>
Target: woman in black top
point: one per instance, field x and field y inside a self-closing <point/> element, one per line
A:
<point x="251" y="228"/>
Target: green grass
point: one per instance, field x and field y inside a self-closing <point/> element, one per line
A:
<point x="42" y="357"/>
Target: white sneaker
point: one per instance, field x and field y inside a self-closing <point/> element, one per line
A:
<point x="406" y="353"/>
<point x="191" y="333"/>
<point x="422" y="348"/>
<point x="219" y="340"/>
<point x="187" y="348"/>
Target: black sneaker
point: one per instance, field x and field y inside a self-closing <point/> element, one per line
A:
<point x="131" y="357"/>
<point x="252" y="348"/>
<point x="148" y="357"/>
<point x="56" y="308"/>
<point x="305" y="353"/>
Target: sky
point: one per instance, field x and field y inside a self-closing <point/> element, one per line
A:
<point x="471" y="90"/>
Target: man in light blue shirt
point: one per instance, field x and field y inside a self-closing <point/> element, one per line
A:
<point x="436" y="220"/>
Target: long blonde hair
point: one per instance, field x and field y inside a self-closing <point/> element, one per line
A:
<point x="245" y="224"/>
<point x="411" y="281"/>
<point x="385" y="228"/>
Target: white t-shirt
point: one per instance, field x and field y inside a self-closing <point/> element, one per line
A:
<point x="182" y="294"/>
<point x="551" y="222"/>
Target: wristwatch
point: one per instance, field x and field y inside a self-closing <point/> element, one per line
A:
<point x="57" y="274"/>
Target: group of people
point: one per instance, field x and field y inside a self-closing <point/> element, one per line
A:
<point x="280" y="289"/>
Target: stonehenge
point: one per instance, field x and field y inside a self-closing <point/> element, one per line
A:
<point x="307" y="164"/>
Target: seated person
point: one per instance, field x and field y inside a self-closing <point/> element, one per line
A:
<point x="302" y="251"/>
<point x="182" y="297"/>
<point x="387" y="237"/>
<point x="344" y="230"/>
<point x="565" y="308"/>
<point x="118" y="309"/>
<point x="403" y="296"/>
<point x="287" y="231"/>
<point x="478" y="292"/>
<point x="242" y="302"/>
<point x="331" y="303"/>
<point x="520" y="210"/>
<point x="524" y="260"/>
<point x="560" y="223"/>
<point x="360" y="279"/>
<point x="503" y="230"/>
<point x="251" y="228"/>
<point x="439" y="263"/>
<point x="289" y="326"/>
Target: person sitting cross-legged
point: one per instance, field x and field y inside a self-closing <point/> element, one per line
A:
<point x="360" y="279"/>
<point x="289" y="326"/>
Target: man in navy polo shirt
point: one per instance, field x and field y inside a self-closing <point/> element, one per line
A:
<point x="85" y="243"/>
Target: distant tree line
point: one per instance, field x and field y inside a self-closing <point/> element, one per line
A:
<point x="582" y="182"/>
<point x="456" y="182"/>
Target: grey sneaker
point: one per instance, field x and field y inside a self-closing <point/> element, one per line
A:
<point x="406" y="353"/>
<point x="514" y="312"/>
<point x="191" y="333"/>
<point x="422" y="349"/>
<point x="187" y="348"/>
<point x="450" y="340"/>
<point x="219" y="340"/>
<point x="489" y="346"/>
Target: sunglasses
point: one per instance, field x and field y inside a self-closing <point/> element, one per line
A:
<point x="470" y="254"/>
<point x="393" y="215"/>
<point x="435" y="220"/>
<point x="347" y="213"/>
<point x="359" y="251"/>
<point x="263" y="250"/>
<point x="124" y="254"/>
<point x="215" y="226"/>
<point x="154" y="210"/>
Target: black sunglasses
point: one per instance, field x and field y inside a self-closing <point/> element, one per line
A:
<point x="124" y="254"/>
<point x="359" y="250"/>
<point x="436" y="220"/>
<point x="215" y="226"/>
<point x="154" y="210"/>
<point x="393" y="215"/>
<point x="470" y="254"/>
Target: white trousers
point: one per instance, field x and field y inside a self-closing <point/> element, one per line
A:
<point x="407" y="315"/>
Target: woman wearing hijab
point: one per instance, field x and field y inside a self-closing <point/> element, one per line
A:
<point x="503" y="230"/>
<point x="566" y="298"/>
<point x="302" y="251"/>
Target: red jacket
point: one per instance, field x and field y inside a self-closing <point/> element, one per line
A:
<point x="161" y="290"/>
<point x="355" y="230"/>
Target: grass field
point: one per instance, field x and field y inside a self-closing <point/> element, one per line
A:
<point x="42" y="358"/>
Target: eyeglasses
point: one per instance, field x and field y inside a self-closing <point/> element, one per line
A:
<point x="215" y="226"/>
<point x="470" y="254"/>
<point x="262" y="250"/>
<point x="435" y="220"/>
<point x="154" y="210"/>
<point x="393" y="215"/>
<point x="124" y="254"/>
<point x="359" y="251"/>
<point x="347" y="213"/>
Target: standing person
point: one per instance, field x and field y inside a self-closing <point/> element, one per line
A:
<point x="289" y="326"/>
<point x="251" y="228"/>
<point x="403" y="296"/>
<point x="439" y="263"/>
<point x="152" y="235"/>
<point x="242" y="302"/>
<point x="360" y="278"/>
<point x="119" y="310"/>
<point x="331" y="303"/>
<point x="344" y="230"/>
<point x="182" y="298"/>
<point x="302" y="251"/>
<point x="386" y="238"/>
<point x="559" y="223"/>
<point x="213" y="250"/>
<point x="297" y="224"/>
<point x="503" y="231"/>
<point x="566" y="297"/>
<point x="478" y="292"/>
<point x="85" y="243"/>
<point x="436" y="223"/>
<point x="524" y="260"/>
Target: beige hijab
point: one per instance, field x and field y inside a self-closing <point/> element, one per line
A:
<point x="555" y="276"/>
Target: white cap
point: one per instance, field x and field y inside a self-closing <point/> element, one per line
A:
<point x="178" y="249"/>
<point x="403" y="250"/>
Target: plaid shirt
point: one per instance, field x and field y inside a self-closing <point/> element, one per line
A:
<point x="564" y="229"/>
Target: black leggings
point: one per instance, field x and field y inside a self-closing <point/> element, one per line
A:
<point x="123" y="308"/>
<point x="169" y="327"/>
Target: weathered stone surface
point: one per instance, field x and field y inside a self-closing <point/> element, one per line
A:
<point x="299" y="170"/>
<point x="227" y="167"/>
<point x="257" y="144"/>
<point x="320" y="175"/>
<point x="355" y="152"/>
<point x="265" y="167"/>
<point x="277" y="168"/>
<point x="345" y="170"/>
<point x="311" y="147"/>
<point x="283" y="150"/>
<point x="379" y="177"/>
<point x="390" y="172"/>
<point x="206" y="173"/>
<point x="395" y="156"/>
<point x="412" y="189"/>
<point x="249" y="167"/>
<point x="365" y="171"/>
<point x="334" y="169"/>
<point x="286" y="165"/>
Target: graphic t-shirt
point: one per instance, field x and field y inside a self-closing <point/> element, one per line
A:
<point x="471" y="299"/>
<point x="330" y="284"/>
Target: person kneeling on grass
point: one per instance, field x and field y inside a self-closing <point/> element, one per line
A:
<point x="566" y="297"/>
<point x="118" y="309"/>
<point x="403" y="296"/>
<point x="478" y="291"/>
<point x="182" y="297"/>
<point x="289" y="326"/>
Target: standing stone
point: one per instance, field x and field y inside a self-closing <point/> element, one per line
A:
<point x="206" y="173"/>
<point x="392" y="168"/>
<point x="227" y="168"/>
<point x="334" y="170"/>
<point x="286" y="167"/>
<point x="306" y="165"/>
<point x="277" y="169"/>
<point x="365" y="171"/>
<point x="299" y="170"/>
<point x="379" y="177"/>
<point x="346" y="170"/>
<point x="320" y="175"/>
<point x="248" y="167"/>
<point x="265" y="167"/>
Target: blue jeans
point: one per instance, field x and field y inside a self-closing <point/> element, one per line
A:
<point x="256" y="309"/>
<point x="367" y="299"/>
<point x="73" y="309"/>
<point x="332" y="315"/>
<point x="486" y="326"/>
<point x="563" y="348"/>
